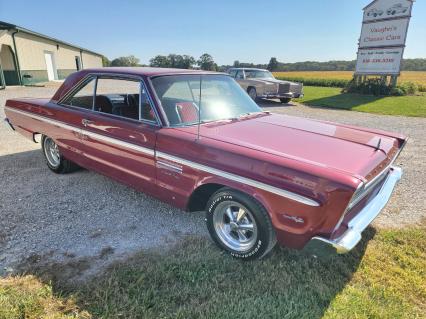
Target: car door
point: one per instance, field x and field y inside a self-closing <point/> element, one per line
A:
<point x="69" y="113"/>
<point x="119" y="135"/>
<point x="240" y="77"/>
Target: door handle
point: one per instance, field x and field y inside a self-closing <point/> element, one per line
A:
<point x="86" y="122"/>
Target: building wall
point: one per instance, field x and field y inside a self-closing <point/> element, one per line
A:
<point x="7" y="59"/>
<point x="91" y="60"/>
<point x="31" y="50"/>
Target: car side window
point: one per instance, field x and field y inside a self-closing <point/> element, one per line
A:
<point x="240" y="75"/>
<point x="122" y="97"/>
<point x="83" y="97"/>
<point x="233" y="73"/>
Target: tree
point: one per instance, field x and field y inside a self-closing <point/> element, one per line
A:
<point x="206" y="62"/>
<point x="273" y="64"/>
<point x="236" y="64"/>
<point x="105" y="61"/>
<point x="160" y="61"/>
<point x="130" y="60"/>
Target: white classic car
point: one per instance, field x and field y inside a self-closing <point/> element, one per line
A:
<point x="396" y="9"/>
<point x="260" y="83"/>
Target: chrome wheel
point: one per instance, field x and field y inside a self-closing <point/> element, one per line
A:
<point x="235" y="226"/>
<point x="51" y="151"/>
<point x="252" y="93"/>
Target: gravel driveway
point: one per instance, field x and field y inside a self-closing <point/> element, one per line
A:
<point x="87" y="217"/>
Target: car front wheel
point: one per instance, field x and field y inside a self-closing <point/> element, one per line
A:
<point x="252" y="93"/>
<point x="239" y="224"/>
<point x="285" y="100"/>
<point x="55" y="161"/>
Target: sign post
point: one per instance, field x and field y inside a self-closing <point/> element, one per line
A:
<point x="382" y="41"/>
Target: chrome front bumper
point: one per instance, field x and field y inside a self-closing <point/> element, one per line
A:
<point x="356" y="226"/>
<point x="282" y="95"/>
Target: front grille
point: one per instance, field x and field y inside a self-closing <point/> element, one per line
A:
<point x="283" y="88"/>
<point x="296" y="88"/>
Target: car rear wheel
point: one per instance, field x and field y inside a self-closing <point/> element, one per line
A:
<point x="239" y="224"/>
<point x="285" y="100"/>
<point x="252" y="93"/>
<point x="55" y="161"/>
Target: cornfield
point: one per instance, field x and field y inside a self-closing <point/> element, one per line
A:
<point x="417" y="77"/>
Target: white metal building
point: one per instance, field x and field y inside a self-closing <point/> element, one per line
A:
<point x="28" y="57"/>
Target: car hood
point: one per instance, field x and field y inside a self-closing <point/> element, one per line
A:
<point x="354" y="151"/>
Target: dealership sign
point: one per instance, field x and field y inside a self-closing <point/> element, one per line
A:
<point x="383" y="34"/>
<point x="379" y="61"/>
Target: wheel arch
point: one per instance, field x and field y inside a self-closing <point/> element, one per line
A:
<point x="204" y="190"/>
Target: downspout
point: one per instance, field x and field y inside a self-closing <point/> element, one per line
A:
<point x="2" y="80"/>
<point x="16" y="57"/>
<point x="81" y="59"/>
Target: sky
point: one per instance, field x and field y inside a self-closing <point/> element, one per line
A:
<point x="244" y="30"/>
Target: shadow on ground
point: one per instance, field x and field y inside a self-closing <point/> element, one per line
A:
<point x="341" y="101"/>
<point x="195" y="279"/>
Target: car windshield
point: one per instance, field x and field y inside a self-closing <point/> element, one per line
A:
<point x="213" y="97"/>
<point x="258" y="74"/>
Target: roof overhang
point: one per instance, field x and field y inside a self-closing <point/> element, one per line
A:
<point x="9" y="26"/>
<point x="373" y="2"/>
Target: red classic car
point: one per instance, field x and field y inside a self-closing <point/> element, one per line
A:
<point x="196" y="140"/>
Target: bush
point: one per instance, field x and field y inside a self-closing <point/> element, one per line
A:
<point x="375" y="86"/>
<point x="409" y="87"/>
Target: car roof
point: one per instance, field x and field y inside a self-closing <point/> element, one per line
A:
<point x="147" y="71"/>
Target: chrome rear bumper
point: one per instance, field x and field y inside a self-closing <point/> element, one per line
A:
<point x="356" y="226"/>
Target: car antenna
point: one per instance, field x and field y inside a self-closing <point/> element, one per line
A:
<point x="199" y="110"/>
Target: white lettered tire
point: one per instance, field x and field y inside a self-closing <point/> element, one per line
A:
<point x="239" y="224"/>
<point x="54" y="159"/>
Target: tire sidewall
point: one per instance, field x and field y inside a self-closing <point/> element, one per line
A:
<point x="56" y="169"/>
<point x="262" y="243"/>
<point x="255" y="93"/>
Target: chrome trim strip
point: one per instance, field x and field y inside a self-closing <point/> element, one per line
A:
<point x="111" y="140"/>
<point x="44" y="119"/>
<point x="360" y="222"/>
<point x="118" y="76"/>
<point x="211" y="170"/>
<point x="388" y="166"/>
<point x="85" y="132"/>
<point x="240" y="179"/>
<point x="169" y="166"/>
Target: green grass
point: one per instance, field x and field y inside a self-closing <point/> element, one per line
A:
<point x="391" y="105"/>
<point x="382" y="278"/>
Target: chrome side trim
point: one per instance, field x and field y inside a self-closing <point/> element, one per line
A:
<point x="96" y="136"/>
<point x="240" y="179"/>
<point x="169" y="166"/>
<point x="44" y="119"/>
<point x="207" y="169"/>
<point x="359" y="223"/>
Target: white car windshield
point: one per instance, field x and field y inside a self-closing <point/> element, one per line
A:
<point x="258" y="74"/>
<point x="185" y="98"/>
